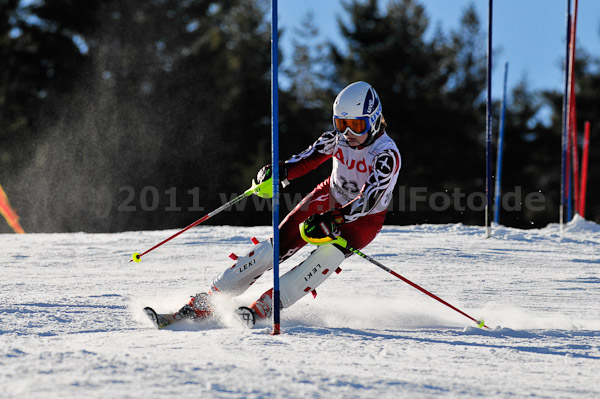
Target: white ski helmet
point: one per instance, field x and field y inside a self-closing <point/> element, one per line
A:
<point x="357" y="110"/>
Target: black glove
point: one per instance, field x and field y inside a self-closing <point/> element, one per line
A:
<point x="324" y="224"/>
<point x="266" y="172"/>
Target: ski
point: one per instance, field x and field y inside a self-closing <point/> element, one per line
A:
<point x="244" y="315"/>
<point x="158" y="319"/>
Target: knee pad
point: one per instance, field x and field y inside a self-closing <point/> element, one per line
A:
<point x="245" y="271"/>
<point x="308" y="275"/>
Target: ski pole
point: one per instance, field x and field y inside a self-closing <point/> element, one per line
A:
<point x="264" y="189"/>
<point x="342" y="242"/>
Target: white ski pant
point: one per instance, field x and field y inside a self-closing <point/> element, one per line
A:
<point x="293" y="285"/>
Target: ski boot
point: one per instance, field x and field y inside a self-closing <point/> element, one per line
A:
<point x="259" y="310"/>
<point x="197" y="308"/>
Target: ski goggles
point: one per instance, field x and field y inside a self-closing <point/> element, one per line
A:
<point x="357" y="126"/>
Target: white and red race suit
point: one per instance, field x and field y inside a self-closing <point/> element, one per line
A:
<point x="361" y="186"/>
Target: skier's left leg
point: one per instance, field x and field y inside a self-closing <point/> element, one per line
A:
<point x="301" y="280"/>
<point x="317" y="201"/>
<point x="326" y="259"/>
<point x="361" y="232"/>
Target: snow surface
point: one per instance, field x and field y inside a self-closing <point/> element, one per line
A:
<point x="72" y="324"/>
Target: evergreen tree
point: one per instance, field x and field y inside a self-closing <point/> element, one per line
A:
<point x="115" y="114"/>
<point x="529" y="163"/>
<point x="305" y="106"/>
<point x="144" y="97"/>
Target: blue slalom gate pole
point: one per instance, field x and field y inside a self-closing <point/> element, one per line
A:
<point x="499" y="152"/>
<point x="488" y="151"/>
<point x="275" y="162"/>
<point x="563" y="176"/>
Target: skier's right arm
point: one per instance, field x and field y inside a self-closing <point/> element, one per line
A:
<point x="320" y="151"/>
<point x="299" y="165"/>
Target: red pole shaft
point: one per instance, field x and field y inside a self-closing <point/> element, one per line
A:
<point x="196" y="223"/>
<point x="202" y="219"/>
<point x="423" y="290"/>
<point x="584" y="167"/>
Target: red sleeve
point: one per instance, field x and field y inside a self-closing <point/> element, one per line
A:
<point x="319" y="152"/>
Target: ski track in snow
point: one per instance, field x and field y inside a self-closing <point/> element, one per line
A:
<point x="72" y="326"/>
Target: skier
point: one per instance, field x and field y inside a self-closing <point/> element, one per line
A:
<point x="351" y="202"/>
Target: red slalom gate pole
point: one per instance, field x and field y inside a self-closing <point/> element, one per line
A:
<point x="584" y="168"/>
<point x="574" y="153"/>
<point x="572" y="113"/>
<point x="342" y="242"/>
